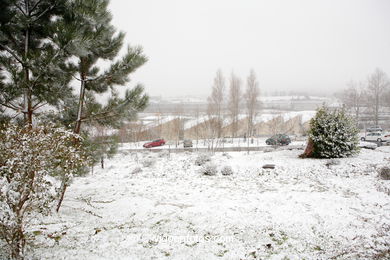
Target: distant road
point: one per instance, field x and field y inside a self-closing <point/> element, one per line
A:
<point x="219" y="149"/>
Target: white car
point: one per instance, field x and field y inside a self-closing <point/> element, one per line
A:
<point x="376" y="136"/>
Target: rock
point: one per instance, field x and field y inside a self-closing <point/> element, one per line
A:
<point x="269" y="166"/>
<point x="384" y="173"/>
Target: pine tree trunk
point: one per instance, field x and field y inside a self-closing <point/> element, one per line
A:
<point x="80" y="107"/>
<point x="27" y="93"/>
<point x="309" y="150"/>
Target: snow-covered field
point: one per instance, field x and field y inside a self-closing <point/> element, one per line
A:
<point x="302" y="209"/>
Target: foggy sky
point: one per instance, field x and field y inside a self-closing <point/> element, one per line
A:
<point x="292" y="44"/>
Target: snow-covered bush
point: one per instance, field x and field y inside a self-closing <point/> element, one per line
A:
<point x="148" y="162"/>
<point x="208" y="169"/>
<point x="163" y="154"/>
<point x="332" y="134"/>
<point x="384" y="173"/>
<point x="136" y="170"/>
<point x="202" y="159"/>
<point x="31" y="162"/>
<point x="227" y="170"/>
<point x="228" y="156"/>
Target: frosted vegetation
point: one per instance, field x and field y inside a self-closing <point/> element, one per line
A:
<point x="332" y="134"/>
<point x="302" y="209"/>
<point x="36" y="165"/>
<point x="144" y="205"/>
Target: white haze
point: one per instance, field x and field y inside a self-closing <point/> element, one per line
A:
<point x="293" y="45"/>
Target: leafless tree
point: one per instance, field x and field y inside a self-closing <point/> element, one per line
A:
<point x="215" y="101"/>
<point x="234" y="102"/>
<point x="178" y="130"/>
<point x="197" y="124"/>
<point x="275" y="125"/>
<point x="354" y="98"/>
<point x="251" y="100"/>
<point x="378" y="83"/>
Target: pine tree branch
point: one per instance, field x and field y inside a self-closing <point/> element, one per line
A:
<point x="50" y="62"/>
<point x="12" y="53"/>
<point x="76" y="78"/>
<point x="10" y="36"/>
<point x="20" y="9"/>
<point x="18" y="113"/>
<point x="35" y="6"/>
<point x="99" y="116"/>
<point x="43" y="13"/>
<point x="10" y="106"/>
<point x="103" y="115"/>
<point x="39" y="105"/>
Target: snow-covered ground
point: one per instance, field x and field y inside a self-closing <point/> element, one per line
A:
<point x="302" y="209"/>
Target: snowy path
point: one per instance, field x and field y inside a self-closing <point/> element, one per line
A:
<point x="302" y="209"/>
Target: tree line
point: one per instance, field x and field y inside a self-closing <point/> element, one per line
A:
<point x="222" y="103"/>
<point x="368" y="96"/>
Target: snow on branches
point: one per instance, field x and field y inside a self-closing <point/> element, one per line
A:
<point x="332" y="134"/>
<point x="34" y="164"/>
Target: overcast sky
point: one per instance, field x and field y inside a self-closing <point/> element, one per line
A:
<point x="316" y="45"/>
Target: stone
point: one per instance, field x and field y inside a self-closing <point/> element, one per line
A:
<point x="269" y="166"/>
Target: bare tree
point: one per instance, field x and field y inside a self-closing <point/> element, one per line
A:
<point x="275" y="125"/>
<point x="178" y="130"/>
<point x="354" y="98"/>
<point x="234" y="102"/>
<point x="215" y="101"/>
<point x="251" y="100"/>
<point x="378" y="83"/>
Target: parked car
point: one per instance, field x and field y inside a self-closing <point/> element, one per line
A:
<point x="157" y="142"/>
<point x="278" y="139"/>
<point x="375" y="128"/>
<point x="376" y="136"/>
<point x="187" y="143"/>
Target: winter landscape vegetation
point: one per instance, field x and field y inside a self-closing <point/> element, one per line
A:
<point x="259" y="137"/>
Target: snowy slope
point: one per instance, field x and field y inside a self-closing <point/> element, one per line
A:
<point x="303" y="209"/>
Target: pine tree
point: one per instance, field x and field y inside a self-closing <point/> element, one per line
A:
<point x="33" y="52"/>
<point x="104" y="44"/>
<point x="332" y="134"/>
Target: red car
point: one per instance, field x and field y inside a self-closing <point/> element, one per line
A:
<point x="154" y="143"/>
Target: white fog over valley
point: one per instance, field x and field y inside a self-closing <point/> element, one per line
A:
<point x="312" y="46"/>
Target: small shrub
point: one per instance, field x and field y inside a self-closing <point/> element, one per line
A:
<point x="208" y="169"/>
<point x="384" y="173"/>
<point x="136" y="170"/>
<point x="227" y="170"/>
<point x="148" y="162"/>
<point x="163" y="154"/>
<point x="202" y="159"/>
<point x="228" y="156"/>
<point x="29" y="159"/>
